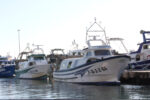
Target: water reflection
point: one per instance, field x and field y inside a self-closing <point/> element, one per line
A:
<point x="134" y="92"/>
<point x="37" y="89"/>
<point x="86" y="92"/>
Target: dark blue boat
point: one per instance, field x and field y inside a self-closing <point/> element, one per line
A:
<point x="7" y="67"/>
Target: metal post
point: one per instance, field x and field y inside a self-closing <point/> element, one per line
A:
<point x="19" y="39"/>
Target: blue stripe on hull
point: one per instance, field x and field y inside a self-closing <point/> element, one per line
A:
<point x="140" y="65"/>
<point x="9" y="71"/>
<point x="141" y="62"/>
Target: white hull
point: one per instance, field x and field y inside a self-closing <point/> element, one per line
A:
<point x="106" y="70"/>
<point x="34" y="72"/>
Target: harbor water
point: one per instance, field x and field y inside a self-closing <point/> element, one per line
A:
<point x="37" y="89"/>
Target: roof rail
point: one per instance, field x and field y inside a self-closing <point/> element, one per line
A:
<point x="144" y="35"/>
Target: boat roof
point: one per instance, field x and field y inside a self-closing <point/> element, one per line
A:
<point x="146" y="40"/>
<point x="36" y="55"/>
<point x="140" y="47"/>
<point x="98" y="47"/>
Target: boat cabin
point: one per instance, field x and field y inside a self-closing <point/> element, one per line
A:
<point x="36" y="57"/>
<point x="4" y="61"/>
<point x="90" y="54"/>
<point x="143" y="52"/>
<point x="32" y="57"/>
<point x="98" y="51"/>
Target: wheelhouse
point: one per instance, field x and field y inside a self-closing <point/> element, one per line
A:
<point x="97" y="51"/>
<point x="5" y="61"/>
<point x="36" y="57"/>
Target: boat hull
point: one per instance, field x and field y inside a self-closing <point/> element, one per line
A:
<point x="34" y="72"/>
<point x="103" y="71"/>
<point x="140" y="65"/>
<point x="7" y="71"/>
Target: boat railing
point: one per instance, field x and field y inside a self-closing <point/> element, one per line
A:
<point x="145" y="39"/>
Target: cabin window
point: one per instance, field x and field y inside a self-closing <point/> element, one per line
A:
<point x="9" y="62"/>
<point x="74" y="53"/>
<point x="137" y="57"/>
<point x="102" y="52"/>
<point x="69" y="64"/>
<point x="146" y="47"/>
<point x="79" y="53"/>
<point x="63" y="65"/>
<point x="38" y="58"/>
<point x="89" y="54"/>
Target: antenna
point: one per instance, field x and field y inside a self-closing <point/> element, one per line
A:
<point x="38" y="48"/>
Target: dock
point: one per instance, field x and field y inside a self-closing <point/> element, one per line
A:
<point x="137" y="77"/>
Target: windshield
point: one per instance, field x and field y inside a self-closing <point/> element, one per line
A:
<point x="38" y="58"/>
<point x="3" y="58"/>
<point x="102" y="52"/>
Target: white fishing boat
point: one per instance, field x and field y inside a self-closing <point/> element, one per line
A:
<point x="140" y="59"/>
<point x="98" y="65"/>
<point x="34" y="66"/>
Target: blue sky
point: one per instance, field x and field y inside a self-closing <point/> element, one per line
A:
<point x="56" y="23"/>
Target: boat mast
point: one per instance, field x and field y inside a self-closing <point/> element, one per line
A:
<point x="19" y="39"/>
<point x="94" y="36"/>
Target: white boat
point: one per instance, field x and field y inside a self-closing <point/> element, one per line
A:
<point x="140" y="59"/>
<point x="35" y="66"/>
<point x="98" y="65"/>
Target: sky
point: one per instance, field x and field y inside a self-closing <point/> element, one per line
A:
<point x="56" y="23"/>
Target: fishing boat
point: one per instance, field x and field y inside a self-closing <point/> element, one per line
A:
<point x="7" y="67"/>
<point x="98" y="66"/>
<point x="140" y="59"/>
<point x="75" y="51"/>
<point x="34" y="65"/>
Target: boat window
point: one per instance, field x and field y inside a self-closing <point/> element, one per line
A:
<point x="38" y="58"/>
<point x="89" y="54"/>
<point x="31" y="63"/>
<point x="137" y="57"/>
<point x="69" y="64"/>
<point x="75" y="63"/>
<point x="146" y="47"/>
<point x="3" y="58"/>
<point x="102" y="52"/>
<point x="74" y="53"/>
<point x="9" y="62"/>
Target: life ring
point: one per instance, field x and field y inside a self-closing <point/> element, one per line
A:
<point x="148" y="57"/>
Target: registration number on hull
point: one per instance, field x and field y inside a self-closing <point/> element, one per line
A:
<point x="97" y="70"/>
